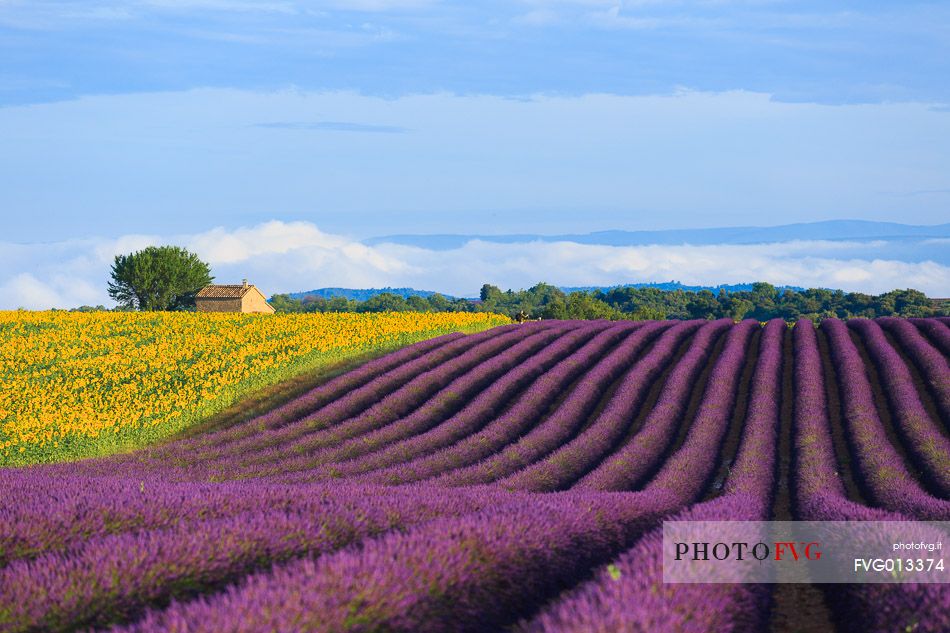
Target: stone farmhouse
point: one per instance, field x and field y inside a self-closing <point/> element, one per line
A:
<point x="232" y="298"/>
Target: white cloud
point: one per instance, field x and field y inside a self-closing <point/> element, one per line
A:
<point x="221" y="246"/>
<point x="810" y="264"/>
<point x="295" y="256"/>
<point x="26" y="291"/>
<point x="105" y="251"/>
<point x="289" y="250"/>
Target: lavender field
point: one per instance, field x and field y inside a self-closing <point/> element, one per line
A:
<point x="515" y="479"/>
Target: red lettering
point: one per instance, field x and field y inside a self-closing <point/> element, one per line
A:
<point x="780" y="546"/>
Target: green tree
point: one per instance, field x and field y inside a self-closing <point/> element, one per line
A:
<point x="703" y="305"/>
<point x="158" y="278"/>
<point x="541" y="294"/>
<point x="763" y="296"/>
<point x="648" y="313"/>
<point x="384" y="302"/>
<point x="738" y="308"/>
<point x="555" y="309"/>
<point x="857" y="304"/>
<point x="490" y="293"/>
<point x="582" y="305"/>
<point x="284" y="303"/>
<point x="439" y="303"/>
<point x="418" y="304"/>
<point x="908" y="303"/>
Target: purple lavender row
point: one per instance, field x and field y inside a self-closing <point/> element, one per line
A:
<point x="634" y="461"/>
<point x="933" y="366"/>
<point x="566" y="464"/>
<point x="323" y="394"/>
<point x="479" y="412"/>
<point x="523" y="414"/>
<point x="395" y="404"/>
<point x="820" y="496"/>
<point x="393" y="420"/>
<point x="274" y="432"/>
<point x="752" y="474"/>
<point x="43" y="513"/>
<point x="433" y="412"/>
<point x="380" y="399"/>
<point x="936" y="331"/>
<point x="819" y="490"/>
<point x="474" y="573"/>
<point x="925" y="442"/>
<point x="112" y="579"/>
<point x="687" y="471"/>
<point x="880" y="466"/>
<point x="562" y="423"/>
<point x="693" y="456"/>
<point x="630" y="593"/>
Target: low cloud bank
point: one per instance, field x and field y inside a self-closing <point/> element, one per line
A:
<point x="294" y="256"/>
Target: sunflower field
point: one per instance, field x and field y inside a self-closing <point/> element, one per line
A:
<point x="85" y="384"/>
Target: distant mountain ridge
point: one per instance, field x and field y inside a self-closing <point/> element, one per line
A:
<point x="835" y="230"/>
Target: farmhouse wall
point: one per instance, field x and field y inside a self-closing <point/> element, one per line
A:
<point x="218" y="305"/>
<point x="255" y="302"/>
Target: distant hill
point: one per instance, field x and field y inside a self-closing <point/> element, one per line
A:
<point x="362" y="294"/>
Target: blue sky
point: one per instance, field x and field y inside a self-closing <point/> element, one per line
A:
<point x="816" y="51"/>
<point x="173" y="118"/>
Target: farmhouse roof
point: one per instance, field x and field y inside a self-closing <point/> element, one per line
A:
<point x="224" y="291"/>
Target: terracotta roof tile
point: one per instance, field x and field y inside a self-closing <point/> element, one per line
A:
<point x="215" y="291"/>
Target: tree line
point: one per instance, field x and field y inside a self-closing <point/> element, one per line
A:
<point x="545" y="301"/>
